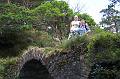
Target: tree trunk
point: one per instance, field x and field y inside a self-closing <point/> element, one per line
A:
<point x="116" y="27"/>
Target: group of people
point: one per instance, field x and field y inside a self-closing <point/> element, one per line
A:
<point x="78" y="27"/>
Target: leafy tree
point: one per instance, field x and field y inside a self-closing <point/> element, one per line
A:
<point x="26" y="3"/>
<point x="88" y="19"/>
<point x="110" y="16"/>
<point x="15" y="18"/>
<point x="58" y="15"/>
<point x="55" y="14"/>
<point x="14" y="23"/>
<point x="33" y="3"/>
<point x="115" y="1"/>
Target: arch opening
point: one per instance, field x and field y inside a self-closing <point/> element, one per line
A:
<point x="34" y="69"/>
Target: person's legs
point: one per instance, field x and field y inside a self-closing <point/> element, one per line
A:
<point x="75" y="32"/>
<point x="71" y="34"/>
<point x="81" y="31"/>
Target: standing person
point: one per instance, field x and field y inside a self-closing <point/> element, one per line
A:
<point x="74" y="26"/>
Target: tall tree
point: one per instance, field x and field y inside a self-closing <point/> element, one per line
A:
<point x="32" y="3"/>
<point x="87" y="18"/>
<point x="115" y="1"/>
<point x="55" y="14"/>
<point x="5" y="1"/>
<point x="110" y="16"/>
<point x="14" y="24"/>
<point x="26" y="3"/>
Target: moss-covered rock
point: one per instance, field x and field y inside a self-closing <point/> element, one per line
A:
<point x="5" y="65"/>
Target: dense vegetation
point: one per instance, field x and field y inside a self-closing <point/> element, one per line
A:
<point x="26" y="23"/>
<point x="21" y="26"/>
<point x="102" y="52"/>
<point x="111" y="16"/>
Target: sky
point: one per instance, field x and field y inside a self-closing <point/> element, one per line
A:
<point x="91" y="7"/>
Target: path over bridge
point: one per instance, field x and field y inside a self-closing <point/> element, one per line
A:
<point x="34" y="64"/>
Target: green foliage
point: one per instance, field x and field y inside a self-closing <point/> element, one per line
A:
<point x="15" y="21"/>
<point x="106" y="70"/>
<point x="53" y="8"/>
<point x="105" y="46"/>
<point x="74" y="42"/>
<point x="102" y="49"/>
<point x="4" y="65"/>
<point x="111" y="16"/>
<point x="87" y="18"/>
<point x="55" y="14"/>
<point x="42" y="39"/>
<point x="13" y="16"/>
<point x="26" y="3"/>
<point x="97" y="30"/>
<point x="11" y="43"/>
<point x="17" y="33"/>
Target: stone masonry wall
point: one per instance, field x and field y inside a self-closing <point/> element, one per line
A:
<point x="62" y="65"/>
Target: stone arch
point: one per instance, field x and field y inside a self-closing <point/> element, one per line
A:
<point x="32" y="61"/>
<point x="60" y="65"/>
<point x="32" y="55"/>
<point x="34" y="69"/>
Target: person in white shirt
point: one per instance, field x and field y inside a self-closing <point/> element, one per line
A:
<point x="74" y="26"/>
<point x="78" y="27"/>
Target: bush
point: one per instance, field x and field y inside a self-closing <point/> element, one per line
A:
<point x="15" y="21"/>
<point x="105" y="45"/>
<point x="105" y="70"/>
<point x="5" y="65"/>
<point x="74" y="42"/>
<point x="97" y="30"/>
<point x="104" y="53"/>
<point x="42" y="39"/>
<point x="12" y="43"/>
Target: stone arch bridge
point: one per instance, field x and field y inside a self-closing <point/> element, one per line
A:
<point x="35" y="64"/>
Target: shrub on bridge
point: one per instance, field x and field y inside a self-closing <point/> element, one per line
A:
<point x="105" y="46"/>
<point x="75" y="42"/>
<point x="104" y="52"/>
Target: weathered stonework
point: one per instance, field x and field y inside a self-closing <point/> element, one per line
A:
<point x="67" y="65"/>
<point x="61" y="65"/>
